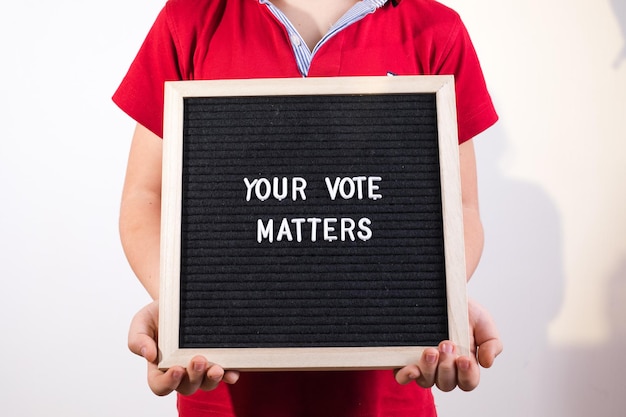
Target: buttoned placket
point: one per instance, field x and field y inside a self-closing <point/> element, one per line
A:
<point x="303" y="55"/>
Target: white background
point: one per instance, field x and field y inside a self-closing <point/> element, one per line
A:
<point x="551" y="182"/>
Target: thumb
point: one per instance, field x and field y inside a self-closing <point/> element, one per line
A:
<point x="142" y="334"/>
<point x="486" y="336"/>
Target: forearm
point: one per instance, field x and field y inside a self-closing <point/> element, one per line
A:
<point x="473" y="229"/>
<point x="140" y="212"/>
<point x="140" y="235"/>
<point x="474" y="239"/>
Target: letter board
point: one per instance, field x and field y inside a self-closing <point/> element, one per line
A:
<point x="311" y="223"/>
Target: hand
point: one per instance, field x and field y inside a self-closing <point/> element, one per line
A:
<point x="444" y="368"/>
<point x="199" y="374"/>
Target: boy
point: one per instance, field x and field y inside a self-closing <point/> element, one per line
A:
<point x="230" y="39"/>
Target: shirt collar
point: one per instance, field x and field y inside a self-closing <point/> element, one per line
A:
<point x="375" y="3"/>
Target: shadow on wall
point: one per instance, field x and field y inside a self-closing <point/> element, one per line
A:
<point x="589" y="380"/>
<point x="586" y="381"/>
<point x="619" y="9"/>
<point x="520" y="280"/>
<point x="522" y="272"/>
<point x="594" y="377"/>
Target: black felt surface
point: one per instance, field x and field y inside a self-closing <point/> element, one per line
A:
<point x="386" y="291"/>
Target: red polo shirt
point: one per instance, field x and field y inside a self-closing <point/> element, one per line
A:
<point x="200" y="39"/>
<point x="230" y="39"/>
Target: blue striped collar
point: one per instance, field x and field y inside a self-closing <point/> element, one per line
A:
<point x="302" y="53"/>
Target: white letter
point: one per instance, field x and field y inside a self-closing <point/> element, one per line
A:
<point x="265" y="232"/>
<point x="284" y="231"/>
<point x="280" y="196"/>
<point x="332" y="188"/>
<point x="314" y="222"/>
<point x="249" y="187"/>
<point x="268" y="189"/>
<point x="365" y="233"/>
<point x="371" y="187"/>
<point x="298" y="185"/>
<point x="329" y="229"/>
<point x="342" y="188"/>
<point x="347" y="228"/>
<point x="298" y="222"/>
<point x="359" y="188"/>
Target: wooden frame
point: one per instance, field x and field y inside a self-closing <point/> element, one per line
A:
<point x="292" y="358"/>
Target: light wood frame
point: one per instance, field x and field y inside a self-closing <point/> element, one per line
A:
<point x="308" y="358"/>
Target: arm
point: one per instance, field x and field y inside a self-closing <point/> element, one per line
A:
<point x="442" y="366"/>
<point x="200" y="374"/>
<point x="140" y="211"/>
<point x="140" y="218"/>
<point x="473" y="229"/>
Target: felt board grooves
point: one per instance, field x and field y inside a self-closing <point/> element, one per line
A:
<point x="387" y="290"/>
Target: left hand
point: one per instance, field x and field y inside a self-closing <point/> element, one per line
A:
<point x="445" y="368"/>
<point x="199" y="374"/>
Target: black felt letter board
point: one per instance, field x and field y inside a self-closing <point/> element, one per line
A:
<point x="311" y="221"/>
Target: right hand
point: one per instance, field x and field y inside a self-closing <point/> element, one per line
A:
<point x="199" y="374"/>
<point x="446" y="369"/>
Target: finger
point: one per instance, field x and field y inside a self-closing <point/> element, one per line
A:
<point x="144" y="346"/>
<point x="468" y="373"/>
<point x="488" y="351"/>
<point x="217" y="374"/>
<point x="213" y="376"/>
<point x="485" y="333"/>
<point x="407" y="374"/>
<point x="446" y="379"/>
<point x="231" y="377"/>
<point x="196" y="376"/>
<point x="428" y="368"/>
<point x="163" y="383"/>
<point x="142" y="332"/>
<point x="423" y="373"/>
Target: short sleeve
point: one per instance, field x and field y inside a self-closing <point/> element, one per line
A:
<point x="140" y="93"/>
<point x="475" y="109"/>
